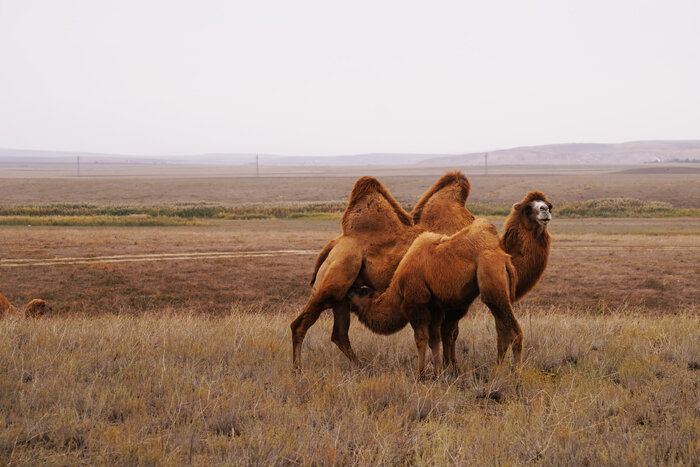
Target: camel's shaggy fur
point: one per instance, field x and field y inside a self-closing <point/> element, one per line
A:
<point x="376" y="234"/>
<point x="442" y="272"/>
<point x="6" y="307"/>
<point x="36" y="308"/>
<point x="441" y="209"/>
<point x="527" y="241"/>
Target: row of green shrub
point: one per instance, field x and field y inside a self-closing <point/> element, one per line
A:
<point x="58" y="214"/>
<point x="88" y="220"/>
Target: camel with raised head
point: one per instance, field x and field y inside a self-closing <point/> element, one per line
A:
<point x="376" y="234"/>
<point x="527" y="241"/>
<point x="439" y="273"/>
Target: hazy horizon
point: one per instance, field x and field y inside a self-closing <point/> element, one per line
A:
<point x="318" y="79"/>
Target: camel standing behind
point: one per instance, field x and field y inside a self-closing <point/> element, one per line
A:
<point x="442" y="272"/>
<point x="376" y="234"/>
<point x="376" y="246"/>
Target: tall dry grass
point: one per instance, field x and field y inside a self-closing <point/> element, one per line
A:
<point x="182" y="388"/>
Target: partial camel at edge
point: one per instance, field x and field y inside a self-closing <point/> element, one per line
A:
<point x="33" y="309"/>
<point x="377" y="232"/>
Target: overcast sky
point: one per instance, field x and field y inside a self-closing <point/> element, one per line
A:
<point x="305" y="77"/>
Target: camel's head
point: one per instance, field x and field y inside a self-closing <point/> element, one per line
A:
<point x="536" y="208"/>
<point x="360" y="297"/>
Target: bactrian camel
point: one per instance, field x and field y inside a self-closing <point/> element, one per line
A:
<point x="525" y="239"/>
<point x="376" y="234"/>
<point x="441" y="272"/>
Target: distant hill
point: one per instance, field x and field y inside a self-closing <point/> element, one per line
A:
<point x="636" y="152"/>
<point x="554" y="154"/>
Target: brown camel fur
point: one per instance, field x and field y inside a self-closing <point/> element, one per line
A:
<point x="527" y="241"/>
<point x="442" y="272"/>
<point x="376" y="234"/>
<point x="36" y="308"/>
<point x="6" y="307"/>
<point x="442" y="210"/>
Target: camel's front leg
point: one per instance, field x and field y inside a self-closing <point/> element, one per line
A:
<point x="509" y="332"/>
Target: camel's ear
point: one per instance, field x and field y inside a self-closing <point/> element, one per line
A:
<point x="549" y="205"/>
<point x="527" y="209"/>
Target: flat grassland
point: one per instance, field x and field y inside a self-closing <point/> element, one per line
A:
<point x="171" y="345"/>
<point x="182" y="388"/>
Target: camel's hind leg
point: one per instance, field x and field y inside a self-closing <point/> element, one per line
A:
<point x="449" y="332"/>
<point x="434" y="340"/>
<point x="419" y="317"/>
<point x="495" y="293"/>
<point x="333" y="280"/>
<point x="341" y="326"/>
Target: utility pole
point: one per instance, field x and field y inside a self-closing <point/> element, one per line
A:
<point x="78" y="167"/>
<point x="257" y="165"/>
<point x="486" y="163"/>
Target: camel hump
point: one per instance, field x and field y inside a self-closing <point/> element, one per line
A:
<point x="444" y="203"/>
<point x="371" y="208"/>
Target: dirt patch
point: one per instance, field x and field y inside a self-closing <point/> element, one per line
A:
<point x="212" y="268"/>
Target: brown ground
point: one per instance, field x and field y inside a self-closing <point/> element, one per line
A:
<point x="234" y="186"/>
<point x="590" y="269"/>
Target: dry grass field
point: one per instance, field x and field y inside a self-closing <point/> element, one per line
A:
<point x="191" y="389"/>
<point x="171" y="345"/>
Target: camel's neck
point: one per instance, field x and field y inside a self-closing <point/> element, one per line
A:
<point x="529" y="249"/>
<point x="383" y="314"/>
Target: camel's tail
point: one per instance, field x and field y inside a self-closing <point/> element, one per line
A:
<point x="322" y="257"/>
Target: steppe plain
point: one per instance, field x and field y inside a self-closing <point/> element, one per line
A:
<point x="170" y="344"/>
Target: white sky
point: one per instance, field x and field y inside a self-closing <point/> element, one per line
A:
<point x="327" y="77"/>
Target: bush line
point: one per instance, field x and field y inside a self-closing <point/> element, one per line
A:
<point x="87" y="214"/>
